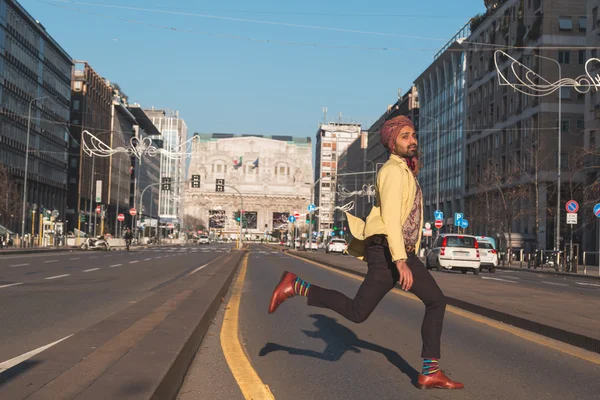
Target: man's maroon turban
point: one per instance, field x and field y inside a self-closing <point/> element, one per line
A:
<point x="390" y="131"/>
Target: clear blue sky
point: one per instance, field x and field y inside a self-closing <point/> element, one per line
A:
<point x="223" y="84"/>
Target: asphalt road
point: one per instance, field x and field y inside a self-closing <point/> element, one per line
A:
<point x="46" y="297"/>
<point x="302" y="352"/>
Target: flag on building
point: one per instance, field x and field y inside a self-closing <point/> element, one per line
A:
<point x="237" y="162"/>
<point x="255" y="164"/>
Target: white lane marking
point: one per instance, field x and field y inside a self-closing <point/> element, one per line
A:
<point x="9" y="285"/>
<point x="197" y="269"/>
<point x="133" y="262"/>
<point x="146" y="259"/>
<point x="50" y="261"/>
<point x="92" y="269"/>
<point x="498" y="279"/>
<point x="587" y="284"/>
<point x="57" y="276"/>
<point x="18" y="265"/>
<point x="75" y="258"/>
<point x="116" y="265"/>
<point x="554" y="283"/>
<point x="19" y="359"/>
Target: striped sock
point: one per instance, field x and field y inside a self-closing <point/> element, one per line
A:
<point x="430" y="366"/>
<point x="301" y="287"/>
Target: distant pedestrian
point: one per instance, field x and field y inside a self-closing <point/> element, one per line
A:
<point x="389" y="241"/>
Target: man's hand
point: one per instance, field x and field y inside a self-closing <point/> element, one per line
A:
<point x="406" y="277"/>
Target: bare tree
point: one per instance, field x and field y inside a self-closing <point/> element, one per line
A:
<point x="10" y="199"/>
<point x="193" y="223"/>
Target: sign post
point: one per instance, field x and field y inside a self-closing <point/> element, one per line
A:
<point x="311" y="210"/>
<point x="132" y="212"/>
<point x="597" y="214"/>
<point x="458" y="219"/>
<point x="572" y="207"/>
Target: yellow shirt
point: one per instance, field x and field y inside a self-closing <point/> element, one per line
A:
<point x="395" y="193"/>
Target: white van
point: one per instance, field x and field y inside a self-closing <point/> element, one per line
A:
<point x="454" y="252"/>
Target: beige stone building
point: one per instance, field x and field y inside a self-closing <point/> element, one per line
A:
<point x="272" y="173"/>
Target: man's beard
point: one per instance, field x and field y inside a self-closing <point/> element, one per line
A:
<point x="409" y="153"/>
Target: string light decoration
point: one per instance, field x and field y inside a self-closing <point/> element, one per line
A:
<point x="366" y="191"/>
<point x="94" y="147"/>
<point x="524" y="80"/>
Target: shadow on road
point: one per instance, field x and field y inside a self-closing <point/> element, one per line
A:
<point x="11" y="373"/>
<point x="339" y="340"/>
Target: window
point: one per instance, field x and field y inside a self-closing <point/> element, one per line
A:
<point x="565" y="125"/>
<point x="565" y="23"/>
<point x="564" y="57"/>
<point x="75" y="104"/>
<point x="219" y="168"/>
<point x="582" y="24"/>
<point x="581" y="57"/>
<point x="580" y="125"/>
<point x="565" y="93"/>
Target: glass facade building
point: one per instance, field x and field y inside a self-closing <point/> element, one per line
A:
<point x="174" y="133"/>
<point x="35" y="71"/>
<point x="442" y="94"/>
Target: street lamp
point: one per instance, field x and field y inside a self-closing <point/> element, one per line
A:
<point x="27" y="165"/>
<point x="557" y="238"/>
<point x="437" y="196"/>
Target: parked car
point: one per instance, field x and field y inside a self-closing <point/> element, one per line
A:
<point x="313" y="245"/>
<point x="203" y="239"/>
<point x="336" y="246"/>
<point x="488" y="255"/>
<point x="454" y="252"/>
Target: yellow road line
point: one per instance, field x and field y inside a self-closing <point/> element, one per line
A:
<point x="250" y="384"/>
<point x="530" y="336"/>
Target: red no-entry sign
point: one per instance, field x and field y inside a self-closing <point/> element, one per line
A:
<point x="98" y="209"/>
<point x="121" y="217"/>
<point x="439" y="224"/>
<point x="132" y="212"/>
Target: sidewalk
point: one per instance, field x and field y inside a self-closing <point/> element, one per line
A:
<point x="561" y="316"/>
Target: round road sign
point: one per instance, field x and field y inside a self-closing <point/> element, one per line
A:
<point x="439" y="224"/>
<point x="572" y="206"/>
<point x="427" y="225"/>
<point x="132" y="212"/>
<point x="296" y="214"/>
<point x="597" y="210"/>
<point x="121" y="217"/>
<point x="98" y="209"/>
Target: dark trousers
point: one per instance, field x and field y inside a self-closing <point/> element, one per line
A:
<point x="381" y="278"/>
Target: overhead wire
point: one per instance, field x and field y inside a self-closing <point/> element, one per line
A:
<point x="254" y="21"/>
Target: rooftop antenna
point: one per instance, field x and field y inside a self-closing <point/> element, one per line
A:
<point x="399" y="94"/>
<point x="325" y="115"/>
<point x="340" y="117"/>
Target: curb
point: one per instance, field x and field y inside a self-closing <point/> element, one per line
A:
<point x="40" y="251"/>
<point x="169" y="386"/>
<point x="575" y="339"/>
<point x="554" y="273"/>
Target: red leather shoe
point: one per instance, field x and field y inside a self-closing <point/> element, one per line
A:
<point x="283" y="291"/>
<point x="438" y="381"/>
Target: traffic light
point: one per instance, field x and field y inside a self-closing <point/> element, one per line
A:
<point x="195" y="181"/>
<point x="220" y="185"/>
<point x="166" y="184"/>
